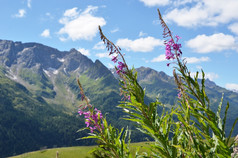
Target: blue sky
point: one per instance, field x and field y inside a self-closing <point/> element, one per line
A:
<point x="209" y="31"/>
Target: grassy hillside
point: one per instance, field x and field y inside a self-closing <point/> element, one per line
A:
<point x="76" y="152"/>
<point x="28" y="123"/>
<point x="72" y="152"/>
<point x="68" y="152"/>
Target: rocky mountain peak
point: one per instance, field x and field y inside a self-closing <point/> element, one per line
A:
<point x="148" y="74"/>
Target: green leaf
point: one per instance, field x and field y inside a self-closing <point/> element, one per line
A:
<point x="224" y="119"/>
<point x="82" y="129"/>
<point x="233" y="126"/>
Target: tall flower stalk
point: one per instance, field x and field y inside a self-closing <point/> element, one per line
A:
<point x="111" y="141"/>
<point x="189" y="129"/>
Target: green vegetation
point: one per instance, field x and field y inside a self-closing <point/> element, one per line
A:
<point x="191" y="128"/>
<point x="73" y="152"/>
<point x="29" y="123"/>
<point x="39" y="81"/>
<point x="68" y="152"/>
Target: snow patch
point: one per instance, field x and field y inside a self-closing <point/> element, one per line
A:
<point x="26" y="49"/>
<point x="10" y="75"/>
<point x="51" y="71"/>
<point x="46" y="72"/>
<point x="13" y="77"/>
<point x="61" y="59"/>
<point x="77" y="69"/>
<point x="55" y="72"/>
<point x="65" y="71"/>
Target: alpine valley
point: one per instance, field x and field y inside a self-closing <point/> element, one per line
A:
<point x="39" y="96"/>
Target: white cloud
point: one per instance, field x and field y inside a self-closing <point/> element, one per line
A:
<point x="62" y="39"/>
<point x="192" y="60"/>
<point x="84" y="51"/>
<point x="208" y="75"/>
<point x="160" y="58"/>
<point x="204" y="13"/>
<point x="29" y="3"/>
<point x="152" y="3"/>
<point x="141" y="34"/>
<point x="114" y="30"/>
<point x="211" y="76"/>
<point x="232" y="86"/>
<point x="71" y="13"/>
<point x="188" y="17"/>
<point x="99" y="46"/>
<point x="110" y="66"/>
<point x="182" y="2"/>
<point x="234" y="28"/>
<point x="45" y="33"/>
<point x="49" y="15"/>
<point x="103" y="55"/>
<point x="199" y="67"/>
<point x="21" y="13"/>
<point x="140" y="45"/>
<point x="82" y="25"/>
<point x="214" y="43"/>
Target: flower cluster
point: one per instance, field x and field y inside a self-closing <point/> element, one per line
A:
<point x="93" y="116"/>
<point x="116" y="54"/>
<point x="120" y="68"/>
<point x="93" y="119"/>
<point x="171" y="47"/>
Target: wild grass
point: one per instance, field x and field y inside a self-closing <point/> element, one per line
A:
<point x="74" y="152"/>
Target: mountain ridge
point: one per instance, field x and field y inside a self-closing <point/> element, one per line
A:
<point x="49" y="77"/>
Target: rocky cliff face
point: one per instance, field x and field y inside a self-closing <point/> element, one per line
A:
<point x="49" y="72"/>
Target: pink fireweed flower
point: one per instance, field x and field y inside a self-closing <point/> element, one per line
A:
<point x="87" y="122"/>
<point x="80" y="112"/>
<point x="172" y="49"/>
<point x="114" y="59"/>
<point x="179" y="95"/>
<point x="120" y="67"/>
<point x="177" y="38"/>
<point x="129" y="98"/>
<point x="92" y="119"/>
<point x="169" y="55"/>
<point x="176" y="46"/>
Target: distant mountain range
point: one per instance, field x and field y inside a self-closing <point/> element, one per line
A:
<point x="40" y="96"/>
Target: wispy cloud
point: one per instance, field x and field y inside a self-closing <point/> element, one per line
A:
<point x="21" y="13"/>
<point x="140" y="45"/>
<point x="99" y="46"/>
<point x="232" y="86"/>
<point x="45" y="33"/>
<point x="142" y="34"/>
<point x="29" y="3"/>
<point x="178" y="3"/>
<point x="80" y="26"/>
<point x="208" y="75"/>
<point x="160" y="58"/>
<point x="233" y="28"/>
<point x="84" y="51"/>
<point x="103" y="55"/>
<point x="193" y="60"/>
<point x="189" y="60"/>
<point x="152" y="3"/>
<point x="114" y="30"/>
<point x="110" y="66"/>
<point x="214" y="43"/>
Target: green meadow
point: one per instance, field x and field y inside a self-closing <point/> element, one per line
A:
<point x="73" y="152"/>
